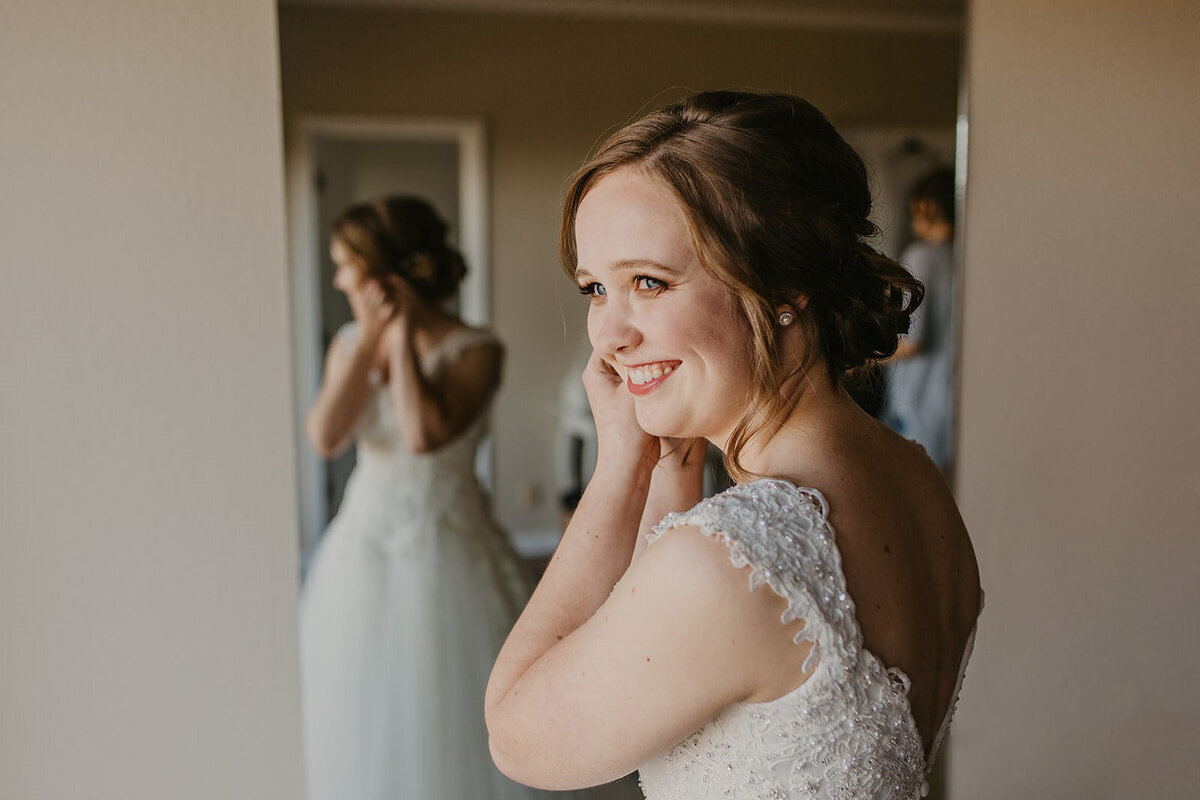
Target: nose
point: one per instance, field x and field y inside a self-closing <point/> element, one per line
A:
<point x="612" y="328"/>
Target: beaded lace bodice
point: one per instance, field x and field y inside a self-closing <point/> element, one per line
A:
<point x="848" y="730"/>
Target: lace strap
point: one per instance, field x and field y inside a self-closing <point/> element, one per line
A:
<point x="782" y="533"/>
<point x="450" y="348"/>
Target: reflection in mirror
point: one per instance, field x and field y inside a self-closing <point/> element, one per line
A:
<point x="413" y="587"/>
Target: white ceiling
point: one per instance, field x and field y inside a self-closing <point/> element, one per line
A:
<point x="935" y="16"/>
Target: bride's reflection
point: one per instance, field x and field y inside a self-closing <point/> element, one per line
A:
<point x="414" y="587"/>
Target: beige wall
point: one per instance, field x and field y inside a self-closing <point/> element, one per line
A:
<point x="1080" y="446"/>
<point x="147" y="563"/>
<point x="549" y="88"/>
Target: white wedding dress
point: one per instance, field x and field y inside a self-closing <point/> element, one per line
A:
<point x="407" y="602"/>
<point x="848" y="731"/>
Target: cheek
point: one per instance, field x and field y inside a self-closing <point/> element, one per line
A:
<point x="593" y="325"/>
<point x="723" y="337"/>
<point x="346" y="279"/>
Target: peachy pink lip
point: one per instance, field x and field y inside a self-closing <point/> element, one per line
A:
<point x="666" y="369"/>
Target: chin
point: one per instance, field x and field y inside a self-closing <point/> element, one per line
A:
<point x="668" y="425"/>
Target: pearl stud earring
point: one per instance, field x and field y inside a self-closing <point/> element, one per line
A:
<point x="786" y="318"/>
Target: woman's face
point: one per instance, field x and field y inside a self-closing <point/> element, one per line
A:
<point x="671" y="330"/>
<point x="351" y="270"/>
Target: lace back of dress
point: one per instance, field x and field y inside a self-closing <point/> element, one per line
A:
<point x="847" y="730"/>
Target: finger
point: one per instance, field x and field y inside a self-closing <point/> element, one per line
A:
<point x="608" y="372"/>
<point x="597" y="363"/>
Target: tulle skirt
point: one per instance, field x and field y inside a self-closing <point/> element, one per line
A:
<point x="400" y="623"/>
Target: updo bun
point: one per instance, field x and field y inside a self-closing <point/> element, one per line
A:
<point x="403" y="236"/>
<point x="864" y="322"/>
<point x="779" y="210"/>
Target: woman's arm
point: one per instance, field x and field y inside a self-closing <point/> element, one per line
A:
<point x="677" y="484"/>
<point x="343" y="393"/>
<point x="430" y="415"/>
<point x="595" y="679"/>
<point x="678" y="639"/>
<point x="346" y="384"/>
<point x="597" y="546"/>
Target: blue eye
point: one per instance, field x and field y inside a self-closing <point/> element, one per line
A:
<point x="593" y="289"/>
<point x="650" y="284"/>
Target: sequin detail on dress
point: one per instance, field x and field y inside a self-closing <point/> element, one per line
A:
<point x="847" y="732"/>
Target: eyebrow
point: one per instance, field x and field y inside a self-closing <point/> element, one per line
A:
<point x="633" y="265"/>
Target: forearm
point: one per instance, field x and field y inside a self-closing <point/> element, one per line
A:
<point x="420" y="412"/>
<point x="340" y="401"/>
<point x="677" y="485"/>
<point x="594" y="553"/>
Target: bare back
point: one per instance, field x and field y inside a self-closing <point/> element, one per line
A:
<point x="908" y="561"/>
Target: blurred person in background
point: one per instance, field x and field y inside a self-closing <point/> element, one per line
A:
<point x="920" y="380"/>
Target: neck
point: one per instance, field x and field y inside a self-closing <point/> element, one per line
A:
<point x="426" y="317"/>
<point x="772" y="451"/>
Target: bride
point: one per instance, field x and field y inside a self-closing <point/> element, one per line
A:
<point x="414" y="586"/>
<point x="721" y="243"/>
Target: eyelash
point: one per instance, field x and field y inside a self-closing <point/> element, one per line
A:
<point x="589" y="289"/>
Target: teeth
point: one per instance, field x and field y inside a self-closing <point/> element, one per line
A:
<point x="643" y="375"/>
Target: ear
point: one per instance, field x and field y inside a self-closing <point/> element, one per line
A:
<point x="796" y="301"/>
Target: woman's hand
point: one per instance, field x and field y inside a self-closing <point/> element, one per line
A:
<point x="682" y="454"/>
<point x="403" y="296"/>
<point x="619" y="437"/>
<point x="409" y="310"/>
<point x="372" y="309"/>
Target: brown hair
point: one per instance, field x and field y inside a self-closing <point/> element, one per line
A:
<point x="938" y="188"/>
<point x="403" y="236"/>
<point x="778" y="207"/>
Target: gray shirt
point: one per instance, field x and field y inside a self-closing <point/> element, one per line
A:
<point x="920" y="389"/>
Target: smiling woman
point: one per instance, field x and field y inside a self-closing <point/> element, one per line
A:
<point x="722" y="245"/>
